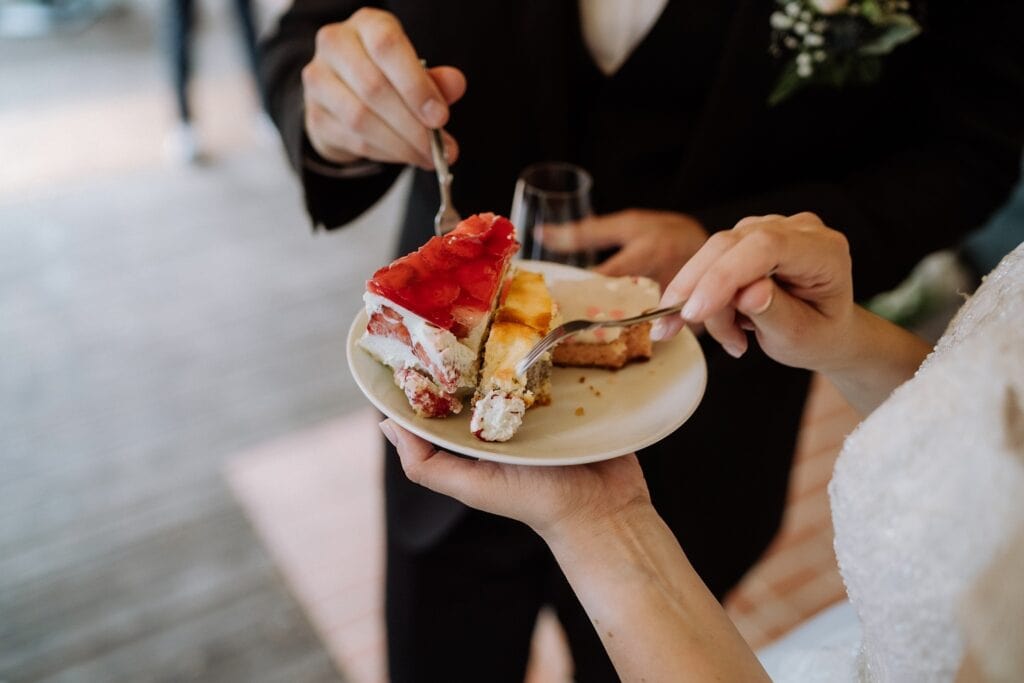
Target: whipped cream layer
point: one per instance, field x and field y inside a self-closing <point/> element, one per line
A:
<point x="604" y="298"/>
<point x="497" y="415"/>
<point x="436" y="352"/>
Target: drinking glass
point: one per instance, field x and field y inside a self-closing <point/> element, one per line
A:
<point x="549" y="209"/>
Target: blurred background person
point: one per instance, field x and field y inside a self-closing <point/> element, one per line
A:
<point x="183" y="143"/>
<point x="156" y="323"/>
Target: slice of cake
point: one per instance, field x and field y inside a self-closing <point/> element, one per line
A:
<point x="429" y="311"/>
<point x="605" y="298"/>
<point x="526" y="314"/>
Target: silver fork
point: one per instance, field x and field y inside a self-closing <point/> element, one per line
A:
<point x="575" y="326"/>
<point x="447" y="217"/>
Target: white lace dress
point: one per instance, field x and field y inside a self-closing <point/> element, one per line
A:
<point x="925" y="493"/>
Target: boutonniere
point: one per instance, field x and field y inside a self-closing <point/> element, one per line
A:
<point x="836" y="42"/>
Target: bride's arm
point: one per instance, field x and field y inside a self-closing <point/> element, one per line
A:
<point x="654" y="615"/>
<point x="788" y="280"/>
<point x="878" y="357"/>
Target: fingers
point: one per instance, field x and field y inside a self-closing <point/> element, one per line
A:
<point x="451" y="149"/>
<point x="382" y="102"/>
<point x="776" y="314"/>
<point x="750" y="221"/>
<point x="595" y="232"/>
<point x="559" y="238"/>
<point x="786" y="279"/>
<point x="750" y="313"/>
<point x="331" y="137"/>
<point x="738" y="271"/>
<point x="362" y="82"/>
<point x="811" y="260"/>
<point x="347" y="123"/>
<point x="464" y="480"/>
<point x="682" y="285"/>
<point x="452" y="84"/>
<point x="726" y="331"/>
<point x="667" y="327"/>
<point x="387" y="45"/>
<point x="755" y="300"/>
<point x="750" y="258"/>
<point x="631" y="259"/>
<point x="763" y="239"/>
<point x="450" y="81"/>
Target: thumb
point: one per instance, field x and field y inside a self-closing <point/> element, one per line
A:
<point x="437" y="470"/>
<point x="757" y="298"/>
<point x="774" y="312"/>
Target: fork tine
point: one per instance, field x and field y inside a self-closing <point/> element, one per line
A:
<point x="573" y="326"/>
<point x="550" y="339"/>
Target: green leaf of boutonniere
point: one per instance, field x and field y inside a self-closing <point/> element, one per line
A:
<point x="844" y="71"/>
<point x="895" y="31"/>
<point x="835" y="44"/>
<point x="870" y="10"/>
<point x="788" y="83"/>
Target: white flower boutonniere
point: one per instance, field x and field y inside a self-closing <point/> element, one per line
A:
<point x="836" y="42"/>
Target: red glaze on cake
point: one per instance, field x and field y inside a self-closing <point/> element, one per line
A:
<point x="428" y="311"/>
<point x="451" y="281"/>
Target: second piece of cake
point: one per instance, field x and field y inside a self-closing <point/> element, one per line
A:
<point x="605" y="298"/>
<point x="525" y="315"/>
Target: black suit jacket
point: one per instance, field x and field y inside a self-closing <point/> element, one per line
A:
<point x="903" y="167"/>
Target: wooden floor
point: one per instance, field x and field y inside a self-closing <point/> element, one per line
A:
<point x="153" y="320"/>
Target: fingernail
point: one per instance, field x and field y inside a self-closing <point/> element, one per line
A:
<point x="389" y="432"/>
<point x="693" y="308"/>
<point x="433" y="113"/>
<point x="766" y="305"/>
<point x="658" y="330"/>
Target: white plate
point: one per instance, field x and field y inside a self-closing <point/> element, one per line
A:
<point x="623" y="410"/>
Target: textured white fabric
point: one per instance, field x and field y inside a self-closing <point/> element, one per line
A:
<point x="821" y="650"/>
<point x="924" y="494"/>
<point x="613" y="28"/>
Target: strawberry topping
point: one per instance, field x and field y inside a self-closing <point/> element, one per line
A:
<point x="451" y="280"/>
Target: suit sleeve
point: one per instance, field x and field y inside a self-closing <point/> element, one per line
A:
<point x="331" y="201"/>
<point x="928" y="194"/>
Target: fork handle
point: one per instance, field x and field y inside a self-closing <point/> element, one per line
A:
<point x="643" y="317"/>
<point x="437" y="151"/>
<point x="444" y="176"/>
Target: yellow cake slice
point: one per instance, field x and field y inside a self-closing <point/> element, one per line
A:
<point x="527" y="313"/>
